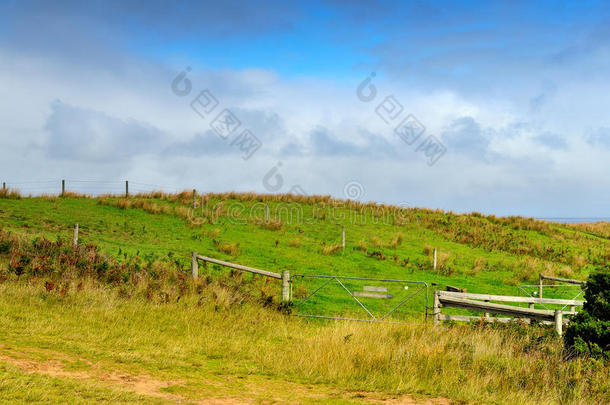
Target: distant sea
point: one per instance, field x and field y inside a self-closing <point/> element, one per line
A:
<point x="576" y="220"/>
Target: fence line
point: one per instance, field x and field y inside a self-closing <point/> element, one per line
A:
<point x="61" y="187"/>
<point x="285" y="276"/>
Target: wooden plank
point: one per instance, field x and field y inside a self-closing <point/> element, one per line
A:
<point x="240" y="267"/>
<point x="371" y="295"/>
<point x="508" y="298"/>
<point x="562" y="280"/>
<point x="375" y="289"/>
<point x="466" y="318"/>
<point x="537" y="314"/>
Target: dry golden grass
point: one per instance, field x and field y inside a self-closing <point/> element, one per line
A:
<point x="294" y="242"/>
<point x="214" y="233"/>
<point x="376" y="242"/>
<point x="361" y="245"/>
<point x="331" y="249"/>
<point x="467" y="364"/>
<point x="480" y="263"/>
<point x="10" y="193"/>
<point x="272" y="225"/>
<point x="231" y="249"/>
<point x="396" y="241"/>
<point x="601" y="229"/>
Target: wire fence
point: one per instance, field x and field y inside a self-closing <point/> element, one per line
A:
<point x="89" y="187"/>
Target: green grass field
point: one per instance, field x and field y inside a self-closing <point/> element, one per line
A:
<point x="480" y="254"/>
<point x="135" y="328"/>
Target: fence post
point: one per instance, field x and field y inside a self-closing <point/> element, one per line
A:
<point x="559" y="321"/>
<point x="343" y="237"/>
<point x="434" y="258"/>
<point x="126" y="189"/>
<point x="194" y="265"/>
<point x="285" y="285"/>
<point x="486" y="314"/>
<point x="436" y="309"/>
<point x="75" y="240"/>
<point x="3" y="186"/>
<point x="194" y="198"/>
<point x="539" y="285"/>
<point x="63" y="188"/>
<point x="266" y="213"/>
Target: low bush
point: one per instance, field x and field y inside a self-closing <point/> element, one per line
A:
<point x="589" y="332"/>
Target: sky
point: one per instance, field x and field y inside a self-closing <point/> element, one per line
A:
<point x="495" y="107"/>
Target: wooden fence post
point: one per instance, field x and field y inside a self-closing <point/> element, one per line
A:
<point x="75" y="239"/>
<point x="434" y="258"/>
<point x="194" y="265"/>
<point x="126" y="189"/>
<point x="63" y="188"/>
<point x="194" y="198"/>
<point x="559" y="322"/>
<point x="436" y="309"/>
<point x="486" y="314"/>
<point x="266" y="213"/>
<point x="285" y="285"/>
<point x="3" y="186"/>
<point x="343" y="237"/>
<point x="540" y="285"/>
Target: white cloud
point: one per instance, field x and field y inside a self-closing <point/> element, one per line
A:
<point x="128" y="124"/>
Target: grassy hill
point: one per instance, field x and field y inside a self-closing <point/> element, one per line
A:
<point x="121" y="309"/>
<point x="480" y="253"/>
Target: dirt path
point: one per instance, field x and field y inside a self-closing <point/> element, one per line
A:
<point x="152" y="387"/>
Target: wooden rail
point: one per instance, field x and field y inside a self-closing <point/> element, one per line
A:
<point x="542" y="277"/>
<point x="469" y="301"/>
<point x="508" y="298"/>
<point x="285" y="276"/>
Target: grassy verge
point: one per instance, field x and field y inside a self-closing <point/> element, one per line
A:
<point x="92" y="344"/>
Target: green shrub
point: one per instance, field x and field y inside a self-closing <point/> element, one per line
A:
<point x="589" y="332"/>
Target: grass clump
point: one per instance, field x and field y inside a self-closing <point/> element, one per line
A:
<point x="10" y="194"/>
<point x="231" y="249"/>
<point x="294" y="242"/>
<point x="331" y="249"/>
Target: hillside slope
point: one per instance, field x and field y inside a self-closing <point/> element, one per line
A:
<point x="303" y="235"/>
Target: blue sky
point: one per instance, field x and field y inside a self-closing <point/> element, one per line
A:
<point x="514" y="93"/>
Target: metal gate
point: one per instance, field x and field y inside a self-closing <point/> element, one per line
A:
<point x="374" y="292"/>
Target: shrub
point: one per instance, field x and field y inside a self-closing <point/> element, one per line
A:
<point x="589" y="332"/>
